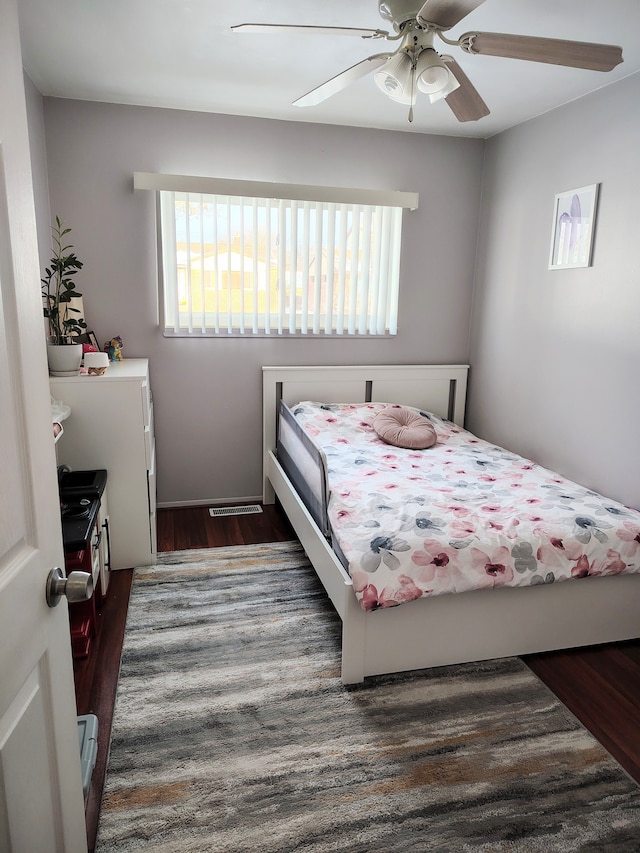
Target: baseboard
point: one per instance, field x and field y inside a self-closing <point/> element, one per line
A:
<point x="251" y="499"/>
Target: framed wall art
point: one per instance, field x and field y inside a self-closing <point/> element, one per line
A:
<point x="574" y="216"/>
<point x="88" y="338"/>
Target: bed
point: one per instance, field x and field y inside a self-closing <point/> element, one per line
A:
<point x="432" y="630"/>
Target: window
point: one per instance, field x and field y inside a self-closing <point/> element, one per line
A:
<point x="311" y="261"/>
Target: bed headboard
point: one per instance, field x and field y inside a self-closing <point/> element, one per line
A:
<point x="437" y="388"/>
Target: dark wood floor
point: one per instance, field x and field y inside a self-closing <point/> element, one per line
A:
<point x="601" y="686"/>
<point x="96" y="679"/>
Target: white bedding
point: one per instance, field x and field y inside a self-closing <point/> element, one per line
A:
<point x="461" y="515"/>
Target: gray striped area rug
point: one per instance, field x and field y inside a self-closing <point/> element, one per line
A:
<point x="233" y="733"/>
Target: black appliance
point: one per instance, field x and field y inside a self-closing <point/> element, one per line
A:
<point x="82" y="536"/>
<point x="80" y="493"/>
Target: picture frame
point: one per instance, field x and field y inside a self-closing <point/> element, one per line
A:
<point x="574" y="216"/>
<point x="88" y="338"/>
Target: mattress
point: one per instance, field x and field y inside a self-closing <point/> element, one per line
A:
<point x="461" y="515"/>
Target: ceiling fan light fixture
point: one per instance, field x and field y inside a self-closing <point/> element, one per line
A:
<point x="433" y="77"/>
<point x="394" y="79"/>
<point x="446" y="90"/>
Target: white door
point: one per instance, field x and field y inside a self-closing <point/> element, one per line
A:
<point x="41" y="805"/>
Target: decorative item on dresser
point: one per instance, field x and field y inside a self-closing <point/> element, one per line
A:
<point x="113" y="348"/>
<point x="65" y="319"/>
<point x="111" y="427"/>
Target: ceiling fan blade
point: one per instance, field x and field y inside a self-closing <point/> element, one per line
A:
<point x="575" y="54"/>
<point x="341" y="81"/>
<point x="304" y="28"/>
<point x="465" y="101"/>
<point x="445" y="14"/>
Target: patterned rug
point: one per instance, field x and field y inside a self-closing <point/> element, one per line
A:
<point x="233" y="733"/>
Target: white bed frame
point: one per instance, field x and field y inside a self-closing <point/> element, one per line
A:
<point x="446" y="629"/>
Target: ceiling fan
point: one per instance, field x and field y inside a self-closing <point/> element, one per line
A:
<point x="415" y="65"/>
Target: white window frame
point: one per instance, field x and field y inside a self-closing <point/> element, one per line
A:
<point x="312" y="224"/>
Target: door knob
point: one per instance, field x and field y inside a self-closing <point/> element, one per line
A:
<point x="78" y="586"/>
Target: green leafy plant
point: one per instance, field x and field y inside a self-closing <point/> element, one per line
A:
<point x="58" y="289"/>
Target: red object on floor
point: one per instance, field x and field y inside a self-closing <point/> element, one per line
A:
<point x="83" y="615"/>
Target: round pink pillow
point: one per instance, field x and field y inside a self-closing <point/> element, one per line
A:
<point x="404" y="427"/>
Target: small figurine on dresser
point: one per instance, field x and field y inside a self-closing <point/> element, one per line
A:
<point x="113" y="348"/>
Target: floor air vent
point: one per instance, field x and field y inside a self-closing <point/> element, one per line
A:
<point x="249" y="509"/>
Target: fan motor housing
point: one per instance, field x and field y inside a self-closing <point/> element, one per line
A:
<point x="398" y="11"/>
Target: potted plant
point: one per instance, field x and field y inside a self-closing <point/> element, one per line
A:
<point x="58" y="289"/>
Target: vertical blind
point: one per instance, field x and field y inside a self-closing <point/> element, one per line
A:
<point x="240" y="265"/>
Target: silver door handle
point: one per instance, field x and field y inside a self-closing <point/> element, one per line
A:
<point x="78" y="586"/>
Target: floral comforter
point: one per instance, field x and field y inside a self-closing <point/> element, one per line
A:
<point x="461" y="515"/>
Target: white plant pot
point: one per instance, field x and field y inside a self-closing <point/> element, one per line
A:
<point x="64" y="359"/>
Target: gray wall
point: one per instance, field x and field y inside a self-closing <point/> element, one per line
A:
<point x="208" y="392"/>
<point x="556" y="354"/>
<point x="37" y="146"/>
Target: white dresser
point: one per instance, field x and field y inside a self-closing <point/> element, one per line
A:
<point x="111" y="426"/>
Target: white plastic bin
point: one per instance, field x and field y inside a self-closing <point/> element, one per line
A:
<point x="88" y="742"/>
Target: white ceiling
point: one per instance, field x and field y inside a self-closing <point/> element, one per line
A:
<point x="183" y="54"/>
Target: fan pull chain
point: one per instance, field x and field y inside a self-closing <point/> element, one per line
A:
<point x="413" y="83"/>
